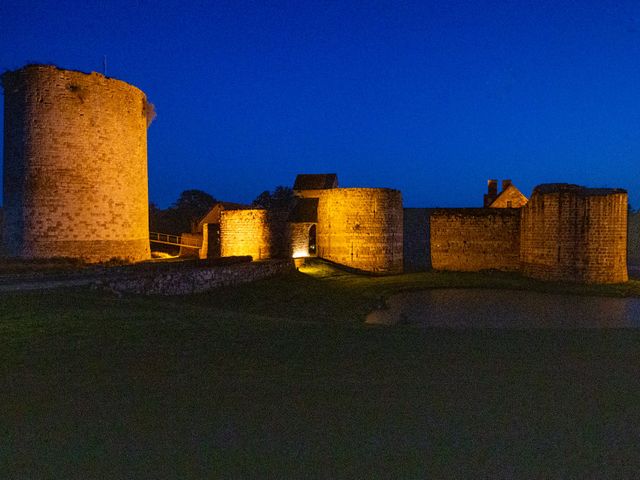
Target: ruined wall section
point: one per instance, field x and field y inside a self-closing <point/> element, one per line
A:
<point x="361" y="228"/>
<point x="472" y="239"/>
<point x="75" y="166"/>
<point x="572" y="233"/>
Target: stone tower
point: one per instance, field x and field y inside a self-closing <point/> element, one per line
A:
<point x="573" y="233"/>
<point x="361" y="228"/>
<point x="75" y="166"/>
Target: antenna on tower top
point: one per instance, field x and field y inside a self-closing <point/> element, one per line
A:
<point x="104" y="65"/>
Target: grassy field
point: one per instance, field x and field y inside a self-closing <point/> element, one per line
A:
<point x="281" y="379"/>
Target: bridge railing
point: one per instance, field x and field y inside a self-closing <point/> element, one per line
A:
<point x="177" y="240"/>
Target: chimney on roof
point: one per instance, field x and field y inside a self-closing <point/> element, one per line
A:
<point x="505" y="184"/>
<point x="492" y="187"/>
<point x="492" y="192"/>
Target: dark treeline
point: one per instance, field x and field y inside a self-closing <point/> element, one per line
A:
<point x="281" y="199"/>
<point x="185" y="213"/>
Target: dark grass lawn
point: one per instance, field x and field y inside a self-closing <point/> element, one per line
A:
<point x="281" y="379"/>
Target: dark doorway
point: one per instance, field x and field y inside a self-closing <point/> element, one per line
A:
<point x="214" y="240"/>
<point x="312" y="240"/>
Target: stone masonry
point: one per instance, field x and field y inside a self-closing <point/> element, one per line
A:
<point x="75" y="166"/>
<point x="575" y="233"/>
<point x="75" y="185"/>
<point x="245" y="232"/>
<point x="564" y="233"/>
<point x="299" y="238"/>
<point x="361" y="228"/>
<point x="472" y="239"/>
<point x="255" y="232"/>
<point x="183" y="280"/>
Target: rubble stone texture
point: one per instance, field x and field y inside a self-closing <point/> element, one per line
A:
<point x="75" y="166"/>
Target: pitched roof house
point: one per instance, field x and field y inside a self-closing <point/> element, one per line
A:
<point x="509" y="197"/>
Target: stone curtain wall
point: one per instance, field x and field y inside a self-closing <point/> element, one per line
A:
<point x="245" y="232"/>
<point x="75" y="166"/>
<point x="565" y="232"/>
<point x="472" y="239"/>
<point x="572" y="233"/>
<point x="361" y="228"/>
<point x="416" y="239"/>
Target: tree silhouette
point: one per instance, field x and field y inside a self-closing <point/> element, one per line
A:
<point x="183" y="215"/>
<point x="281" y="199"/>
<point x="194" y="202"/>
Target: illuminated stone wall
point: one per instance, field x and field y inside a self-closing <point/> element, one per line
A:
<point x="245" y="232"/>
<point x="299" y="239"/>
<point x="75" y="166"/>
<point x="256" y="232"/>
<point x="472" y="239"/>
<point x="361" y="228"/>
<point x="574" y="233"/>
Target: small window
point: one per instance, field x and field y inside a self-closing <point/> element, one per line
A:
<point x="509" y="205"/>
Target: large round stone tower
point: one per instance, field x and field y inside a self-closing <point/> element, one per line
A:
<point x="75" y="166"/>
<point x="361" y="228"/>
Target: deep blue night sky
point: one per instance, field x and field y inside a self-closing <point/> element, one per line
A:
<point x="432" y="98"/>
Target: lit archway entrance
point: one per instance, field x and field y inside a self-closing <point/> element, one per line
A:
<point x="312" y="240"/>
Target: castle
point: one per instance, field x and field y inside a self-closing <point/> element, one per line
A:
<point x="360" y="228"/>
<point x="564" y="232"/>
<point x="75" y="185"/>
